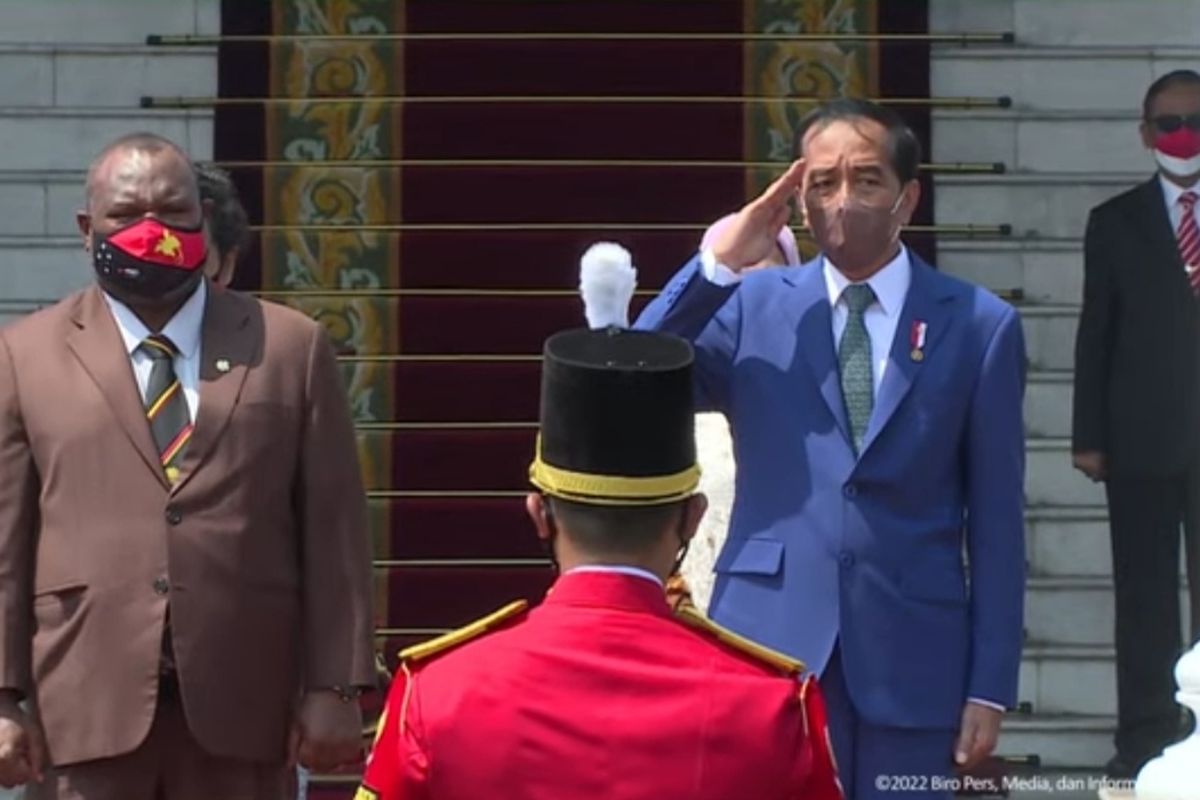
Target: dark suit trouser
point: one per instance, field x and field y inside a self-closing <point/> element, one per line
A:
<point x="169" y="765"/>
<point x="1145" y="517"/>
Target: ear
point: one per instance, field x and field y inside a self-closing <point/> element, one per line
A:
<point x="84" y="221"/>
<point x="912" y="196"/>
<point x="535" y="507"/>
<point x="693" y="511"/>
<point x="1146" y="129"/>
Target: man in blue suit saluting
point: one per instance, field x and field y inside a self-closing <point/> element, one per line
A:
<point x="875" y="404"/>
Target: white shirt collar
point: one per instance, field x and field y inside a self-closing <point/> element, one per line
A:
<point x="183" y="329"/>
<point x="1173" y="191"/>
<point x="615" y="569"/>
<point x="890" y="284"/>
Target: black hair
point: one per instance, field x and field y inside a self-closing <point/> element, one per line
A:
<point x="614" y="531"/>
<point x="904" y="149"/>
<point x="1179" y="77"/>
<point x="227" y="221"/>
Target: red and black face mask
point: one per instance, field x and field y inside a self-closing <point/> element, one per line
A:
<point x="149" y="259"/>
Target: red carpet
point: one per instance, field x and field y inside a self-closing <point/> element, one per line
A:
<point x="432" y="372"/>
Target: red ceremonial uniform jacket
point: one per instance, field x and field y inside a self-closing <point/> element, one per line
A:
<point x="601" y="692"/>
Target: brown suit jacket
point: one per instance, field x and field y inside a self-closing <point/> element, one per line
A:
<point x="261" y="548"/>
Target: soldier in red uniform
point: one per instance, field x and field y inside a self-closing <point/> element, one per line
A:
<point x="603" y="691"/>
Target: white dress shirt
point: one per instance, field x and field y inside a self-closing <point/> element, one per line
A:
<point x="881" y="318"/>
<point x="183" y="330"/>
<point x="1171" y="194"/>
<point x="614" y="569"/>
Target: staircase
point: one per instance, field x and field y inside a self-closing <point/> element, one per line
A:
<point x="1076" y="74"/>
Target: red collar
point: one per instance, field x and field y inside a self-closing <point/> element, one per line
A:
<point x="609" y="590"/>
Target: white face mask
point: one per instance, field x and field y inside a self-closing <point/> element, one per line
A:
<point x="1179" y="167"/>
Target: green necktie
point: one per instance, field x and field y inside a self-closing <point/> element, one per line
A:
<point x="854" y="362"/>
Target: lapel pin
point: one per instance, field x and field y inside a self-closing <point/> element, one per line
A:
<point x="222" y="365"/>
<point x="917" y="340"/>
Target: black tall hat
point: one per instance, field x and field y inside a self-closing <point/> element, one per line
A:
<point x="617" y="418"/>
<point x="617" y="410"/>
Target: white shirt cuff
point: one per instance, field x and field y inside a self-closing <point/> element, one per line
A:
<point x="715" y="272"/>
<point x="979" y="701"/>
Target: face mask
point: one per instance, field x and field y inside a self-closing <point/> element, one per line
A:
<point x="149" y="260"/>
<point x="854" y="235"/>
<point x="1178" y="152"/>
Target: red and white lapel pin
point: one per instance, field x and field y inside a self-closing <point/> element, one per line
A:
<point x="917" y="339"/>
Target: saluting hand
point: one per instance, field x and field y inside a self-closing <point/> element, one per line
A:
<point x="752" y="234"/>
<point x="22" y="749"/>
<point x="327" y="733"/>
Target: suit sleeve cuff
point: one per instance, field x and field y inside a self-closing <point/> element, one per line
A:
<point x="715" y="272"/>
<point x="979" y="701"/>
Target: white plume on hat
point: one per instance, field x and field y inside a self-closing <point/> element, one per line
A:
<point x="607" y="279"/>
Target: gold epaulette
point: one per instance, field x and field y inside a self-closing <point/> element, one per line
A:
<point x="689" y="615"/>
<point x="448" y="641"/>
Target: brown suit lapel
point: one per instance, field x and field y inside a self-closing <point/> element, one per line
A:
<point x="228" y="345"/>
<point x="97" y="343"/>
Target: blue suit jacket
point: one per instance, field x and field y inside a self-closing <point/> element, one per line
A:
<point x="826" y="546"/>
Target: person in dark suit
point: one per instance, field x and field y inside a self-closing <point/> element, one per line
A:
<point x="184" y="563"/>
<point x="1136" y="412"/>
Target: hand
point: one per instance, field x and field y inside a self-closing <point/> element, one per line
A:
<point x="327" y="733"/>
<point x="1091" y="463"/>
<point x="977" y="735"/>
<point x="752" y="234"/>
<point x="22" y="747"/>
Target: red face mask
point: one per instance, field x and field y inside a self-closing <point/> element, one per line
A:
<point x="149" y="259"/>
<point x="1183" y="143"/>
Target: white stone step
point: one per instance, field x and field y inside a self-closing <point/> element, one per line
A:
<point x="69" y="77"/>
<point x="1068" y="543"/>
<point x="1053" y="205"/>
<point x="1048" y="404"/>
<point x="112" y="21"/>
<point x="67" y="139"/>
<point x="1088" y="142"/>
<point x="1050" y="335"/>
<point x="36" y="270"/>
<point x="1069" y="679"/>
<point x="1046" y="271"/>
<point x="1073" y="611"/>
<point x="1065" y="741"/>
<point x="1051" y="481"/>
<point x="1125" y="23"/>
<point x="1113" y="78"/>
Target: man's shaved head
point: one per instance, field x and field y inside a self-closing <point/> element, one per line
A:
<point x="140" y="142"/>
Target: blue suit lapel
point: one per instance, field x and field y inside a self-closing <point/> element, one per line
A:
<point x="815" y="331"/>
<point x="927" y="302"/>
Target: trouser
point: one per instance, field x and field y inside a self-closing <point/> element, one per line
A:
<point x="168" y="765"/>
<point x="1146" y="515"/>
<point x="877" y="762"/>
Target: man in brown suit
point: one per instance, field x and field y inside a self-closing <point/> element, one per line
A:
<point x="184" y="566"/>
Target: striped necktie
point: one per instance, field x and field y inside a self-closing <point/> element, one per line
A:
<point x="1189" y="239"/>
<point x="166" y="406"/>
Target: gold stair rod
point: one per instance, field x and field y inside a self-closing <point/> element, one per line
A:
<point x="403" y="227"/>
<point x="993" y="167"/>
<point x="185" y="102"/>
<point x="200" y="40"/>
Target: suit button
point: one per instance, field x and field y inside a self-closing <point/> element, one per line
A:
<point x="846" y="559"/>
<point x="850" y="490"/>
<point x="161" y="586"/>
<point x="173" y="515"/>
